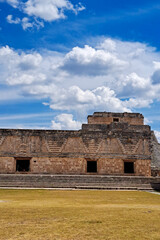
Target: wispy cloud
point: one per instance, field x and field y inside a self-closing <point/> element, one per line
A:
<point x="25" y="116"/>
<point x="133" y="11"/>
<point x="13" y="21"/>
<point x="38" y="12"/>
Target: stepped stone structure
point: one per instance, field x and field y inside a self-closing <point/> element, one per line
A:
<point x="109" y="144"/>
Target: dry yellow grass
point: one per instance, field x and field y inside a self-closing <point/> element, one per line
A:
<point x="79" y="215"/>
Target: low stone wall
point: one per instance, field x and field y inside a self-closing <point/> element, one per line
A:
<point x="78" y="181"/>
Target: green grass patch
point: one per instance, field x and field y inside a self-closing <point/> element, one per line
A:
<point x="79" y="215"/>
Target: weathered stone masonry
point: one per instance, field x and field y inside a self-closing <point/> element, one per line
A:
<point x="111" y="144"/>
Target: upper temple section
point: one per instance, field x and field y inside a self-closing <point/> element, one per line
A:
<point x="109" y="117"/>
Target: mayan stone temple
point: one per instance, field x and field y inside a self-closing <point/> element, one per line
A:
<point x="110" y="144"/>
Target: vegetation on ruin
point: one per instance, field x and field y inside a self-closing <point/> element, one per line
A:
<point x="79" y="215"/>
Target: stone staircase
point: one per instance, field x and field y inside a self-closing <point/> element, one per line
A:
<point x="77" y="181"/>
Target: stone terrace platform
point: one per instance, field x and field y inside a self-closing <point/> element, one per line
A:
<point x="79" y="181"/>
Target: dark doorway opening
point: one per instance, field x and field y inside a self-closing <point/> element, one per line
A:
<point x="115" y="119"/>
<point x="128" y="167"/>
<point x="91" y="166"/>
<point x="22" y="165"/>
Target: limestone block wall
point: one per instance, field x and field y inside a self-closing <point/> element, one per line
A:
<point x="143" y="167"/>
<point x="116" y="167"/>
<point x="155" y="164"/>
<point x="7" y="165"/>
<point x="56" y="165"/>
<point x="108" y="118"/>
<point x="110" y="166"/>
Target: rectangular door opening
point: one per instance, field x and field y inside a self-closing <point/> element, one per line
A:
<point x="115" y="119"/>
<point x="91" y="166"/>
<point x="128" y="167"/>
<point x="22" y="165"/>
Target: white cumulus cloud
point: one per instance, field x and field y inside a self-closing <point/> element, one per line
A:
<point x="48" y="10"/>
<point x="112" y="75"/>
<point x="65" y="121"/>
<point x="90" y="61"/>
<point x="77" y="99"/>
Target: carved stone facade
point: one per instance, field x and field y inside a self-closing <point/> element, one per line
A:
<point x="111" y="144"/>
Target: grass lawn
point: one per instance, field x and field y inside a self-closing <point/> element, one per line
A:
<point x="79" y="215"/>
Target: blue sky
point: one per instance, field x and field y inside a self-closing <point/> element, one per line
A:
<point x="62" y="60"/>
